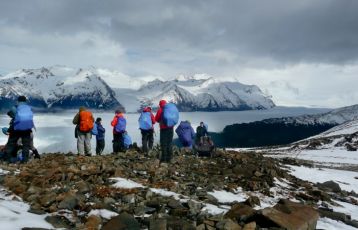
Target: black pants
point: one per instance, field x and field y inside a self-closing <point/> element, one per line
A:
<point x="166" y="139"/>
<point x="100" y="146"/>
<point x="118" y="144"/>
<point x="11" y="146"/>
<point x="147" y="140"/>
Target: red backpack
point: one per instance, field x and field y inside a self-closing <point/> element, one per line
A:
<point x="86" y="121"/>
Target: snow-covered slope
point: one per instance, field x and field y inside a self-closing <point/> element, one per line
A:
<point x="202" y="93"/>
<point x="57" y="88"/>
<point x="346" y="128"/>
<point x="334" y="117"/>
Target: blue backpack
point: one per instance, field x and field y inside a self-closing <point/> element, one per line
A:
<point x="121" y="125"/>
<point x="127" y="140"/>
<point x="170" y="115"/>
<point x="23" y="118"/>
<point x="145" y="121"/>
<point x="94" y="131"/>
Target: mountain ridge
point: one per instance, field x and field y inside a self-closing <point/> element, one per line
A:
<point x="61" y="87"/>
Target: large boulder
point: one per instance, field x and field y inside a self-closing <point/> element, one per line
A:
<point x="290" y="215"/>
<point x="121" y="222"/>
<point x="330" y="186"/>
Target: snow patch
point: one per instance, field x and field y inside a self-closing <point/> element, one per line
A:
<point x="104" y="213"/>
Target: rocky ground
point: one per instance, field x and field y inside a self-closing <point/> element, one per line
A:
<point x="231" y="190"/>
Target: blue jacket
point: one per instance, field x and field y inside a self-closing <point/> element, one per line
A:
<point x="185" y="133"/>
<point x="101" y="131"/>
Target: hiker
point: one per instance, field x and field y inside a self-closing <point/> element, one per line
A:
<point x="167" y="116"/>
<point x="20" y="127"/>
<point x="119" y="127"/>
<point x="186" y="134"/>
<point x="146" y="122"/>
<point x="99" y="131"/>
<point x="34" y="151"/>
<point x="201" y="131"/>
<point x="84" y="124"/>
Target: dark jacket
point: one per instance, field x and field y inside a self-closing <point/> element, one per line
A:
<point x="200" y="132"/>
<point x="101" y="131"/>
<point x="185" y="133"/>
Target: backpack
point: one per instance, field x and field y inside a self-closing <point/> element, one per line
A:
<point x="94" y="131"/>
<point x="170" y="115"/>
<point x="145" y="121"/>
<point x="127" y="140"/>
<point x="121" y="125"/>
<point x="23" y="118"/>
<point x="86" y="121"/>
<point x="205" y="147"/>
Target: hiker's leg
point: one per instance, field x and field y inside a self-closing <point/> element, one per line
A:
<point x="116" y="142"/>
<point x="11" y="146"/>
<point x="170" y="135"/>
<point x="162" y="157"/>
<point x="26" y="145"/>
<point x="87" y="141"/>
<point x="144" y="141"/>
<point x="102" y="145"/>
<point x="121" y="143"/>
<point x="36" y="153"/>
<point x="80" y="143"/>
<point x="99" y="147"/>
<point x="150" y="139"/>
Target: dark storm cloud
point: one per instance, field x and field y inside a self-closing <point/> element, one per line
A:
<point x="284" y="31"/>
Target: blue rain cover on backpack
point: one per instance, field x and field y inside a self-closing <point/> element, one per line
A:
<point x="23" y="118"/>
<point x="127" y="140"/>
<point x="94" y="131"/>
<point x="121" y="125"/>
<point x="145" y="121"/>
<point x="170" y="114"/>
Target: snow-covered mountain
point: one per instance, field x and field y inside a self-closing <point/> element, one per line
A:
<point x="67" y="88"/>
<point x="57" y="88"/>
<point x="334" y="117"/>
<point x="199" y="93"/>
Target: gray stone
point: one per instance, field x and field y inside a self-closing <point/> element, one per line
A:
<point x="122" y="222"/>
<point x="158" y="224"/>
<point x="59" y="222"/>
<point x="330" y="186"/>
<point x="70" y="202"/>
<point x="195" y="207"/>
<point x="173" y="203"/>
<point x="130" y="198"/>
<point x="227" y="224"/>
<point x="83" y="187"/>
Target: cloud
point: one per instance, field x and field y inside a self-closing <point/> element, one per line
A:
<point x="167" y="38"/>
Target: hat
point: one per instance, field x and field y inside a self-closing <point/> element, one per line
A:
<point x="21" y="99"/>
<point x="98" y="119"/>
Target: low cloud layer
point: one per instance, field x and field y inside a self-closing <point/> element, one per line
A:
<point x="166" y="38"/>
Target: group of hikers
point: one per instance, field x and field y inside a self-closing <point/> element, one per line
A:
<point x="20" y="132"/>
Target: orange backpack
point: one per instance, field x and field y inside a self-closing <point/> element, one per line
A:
<point x="86" y="121"/>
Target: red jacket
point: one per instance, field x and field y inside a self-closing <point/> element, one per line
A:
<point x="158" y="116"/>
<point x="148" y="109"/>
<point x="115" y="120"/>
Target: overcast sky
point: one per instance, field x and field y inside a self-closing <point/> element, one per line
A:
<point x="301" y="52"/>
